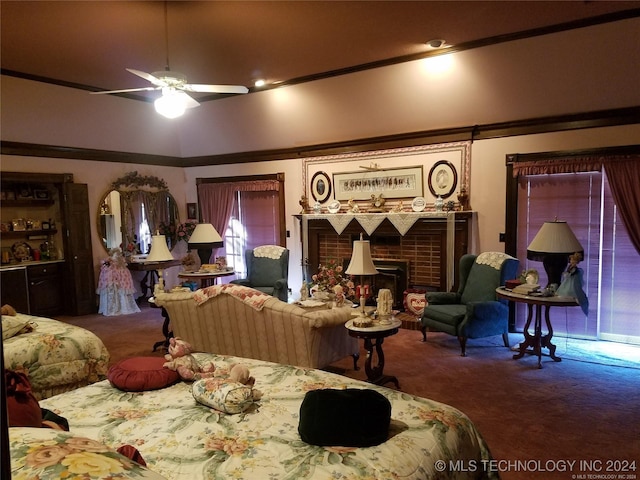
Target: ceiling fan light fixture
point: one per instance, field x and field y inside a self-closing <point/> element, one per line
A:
<point x="170" y="104"/>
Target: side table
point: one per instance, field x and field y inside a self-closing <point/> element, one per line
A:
<point x="537" y="341"/>
<point x="165" y="326"/>
<point x="207" y="278"/>
<point x="373" y="338"/>
<point x="151" y="274"/>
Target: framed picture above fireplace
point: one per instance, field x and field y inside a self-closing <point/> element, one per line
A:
<point x="392" y="183"/>
<point x="395" y="173"/>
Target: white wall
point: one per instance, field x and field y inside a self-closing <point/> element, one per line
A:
<point x="488" y="178"/>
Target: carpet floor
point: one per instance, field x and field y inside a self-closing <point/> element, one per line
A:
<point x="578" y="418"/>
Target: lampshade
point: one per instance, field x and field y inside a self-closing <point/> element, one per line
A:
<point x="553" y="237"/>
<point x="159" y="250"/>
<point x="361" y="262"/>
<point x="552" y="245"/>
<point x="205" y="236"/>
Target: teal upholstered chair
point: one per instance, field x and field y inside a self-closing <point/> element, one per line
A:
<point x="473" y="311"/>
<point x="267" y="270"/>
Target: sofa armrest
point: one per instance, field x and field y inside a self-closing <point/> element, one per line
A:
<point x="329" y="318"/>
<point x="443" y="298"/>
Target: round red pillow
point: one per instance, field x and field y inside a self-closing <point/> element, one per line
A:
<point x="139" y="374"/>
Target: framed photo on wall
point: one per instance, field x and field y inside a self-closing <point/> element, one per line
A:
<point x="192" y="211"/>
<point x="320" y="187"/>
<point x="443" y="179"/>
<point x="392" y="183"/>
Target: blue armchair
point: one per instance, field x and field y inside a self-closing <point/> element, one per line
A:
<point x="267" y="270"/>
<point x="474" y="310"/>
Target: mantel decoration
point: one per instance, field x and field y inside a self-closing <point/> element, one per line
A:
<point x="395" y="174"/>
<point x="443" y="179"/>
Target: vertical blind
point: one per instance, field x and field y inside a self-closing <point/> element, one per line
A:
<point x="585" y="202"/>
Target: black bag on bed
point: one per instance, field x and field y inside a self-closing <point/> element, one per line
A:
<point x="349" y="418"/>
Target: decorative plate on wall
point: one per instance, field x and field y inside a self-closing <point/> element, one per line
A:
<point x="21" y="251"/>
<point x="320" y="187"/>
<point x="443" y="179"/>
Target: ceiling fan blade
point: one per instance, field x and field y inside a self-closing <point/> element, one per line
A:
<point x="215" y="88"/>
<point x="125" y="90"/>
<point x="148" y="77"/>
<point x="188" y="101"/>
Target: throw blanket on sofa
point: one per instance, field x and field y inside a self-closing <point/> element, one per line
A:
<point x="251" y="297"/>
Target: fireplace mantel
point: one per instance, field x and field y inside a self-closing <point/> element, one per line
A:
<point x="433" y="242"/>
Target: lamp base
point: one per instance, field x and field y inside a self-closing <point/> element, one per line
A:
<point x="362" y="322"/>
<point x="554" y="264"/>
<point x="205" y="255"/>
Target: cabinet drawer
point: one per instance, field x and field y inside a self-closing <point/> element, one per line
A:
<point x="46" y="270"/>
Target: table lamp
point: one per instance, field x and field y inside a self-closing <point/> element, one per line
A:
<point x="361" y="264"/>
<point x="205" y="238"/>
<point x="552" y="245"/>
<point x="159" y="253"/>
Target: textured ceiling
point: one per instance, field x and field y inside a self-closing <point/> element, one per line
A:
<point x="222" y="42"/>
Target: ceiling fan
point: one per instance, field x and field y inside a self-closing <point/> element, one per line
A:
<point x="173" y="85"/>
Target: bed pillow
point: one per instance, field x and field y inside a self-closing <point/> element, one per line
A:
<point x="12" y="326"/>
<point x="223" y="395"/>
<point x="349" y="417"/>
<point x="138" y="374"/>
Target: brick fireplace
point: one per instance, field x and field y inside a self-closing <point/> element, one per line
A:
<point x="422" y="252"/>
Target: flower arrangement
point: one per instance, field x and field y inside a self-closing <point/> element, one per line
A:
<point x="167" y="229"/>
<point x="185" y="230"/>
<point x="331" y="275"/>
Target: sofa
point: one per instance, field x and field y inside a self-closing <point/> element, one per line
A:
<point x="237" y="320"/>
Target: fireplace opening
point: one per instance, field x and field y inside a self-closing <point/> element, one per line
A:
<point x="393" y="274"/>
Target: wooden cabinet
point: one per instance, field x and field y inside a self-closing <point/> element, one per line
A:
<point x="46" y="295"/>
<point x="49" y="209"/>
<point x="14" y="290"/>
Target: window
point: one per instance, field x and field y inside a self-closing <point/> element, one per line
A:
<point x="247" y="211"/>
<point x="610" y="262"/>
<point x="254" y="221"/>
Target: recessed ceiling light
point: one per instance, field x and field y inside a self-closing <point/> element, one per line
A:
<point x="260" y="83"/>
<point x="436" y="43"/>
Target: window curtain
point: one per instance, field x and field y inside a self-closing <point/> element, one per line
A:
<point x="260" y="209"/>
<point x="217" y="199"/>
<point x="624" y="181"/>
<point x="623" y="173"/>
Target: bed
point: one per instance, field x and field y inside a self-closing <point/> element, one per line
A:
<point x="56" y="356"/>
<point x="181" y="439"/>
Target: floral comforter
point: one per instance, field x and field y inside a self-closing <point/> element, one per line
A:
<point x="56" y="356"/>
<point x="183" y="440"/>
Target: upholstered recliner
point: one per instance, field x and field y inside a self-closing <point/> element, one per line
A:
<point x="473" y="311"/>
<point x="267" y="270"/>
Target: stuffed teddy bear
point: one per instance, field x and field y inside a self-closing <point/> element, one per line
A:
<point x="9" y="310"/>
<point x="180" y="360"/>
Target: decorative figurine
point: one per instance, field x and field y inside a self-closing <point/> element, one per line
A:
<point x="398" y="208"/>
<point x="353" y="206"/>
<point x="463" y="198"/>
<point x="304" y="291"/>
<point x="304" y="203"/>
<point x="377" y="202"/>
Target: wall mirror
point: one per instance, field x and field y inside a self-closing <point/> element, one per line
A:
<point x="133" y="209"/>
